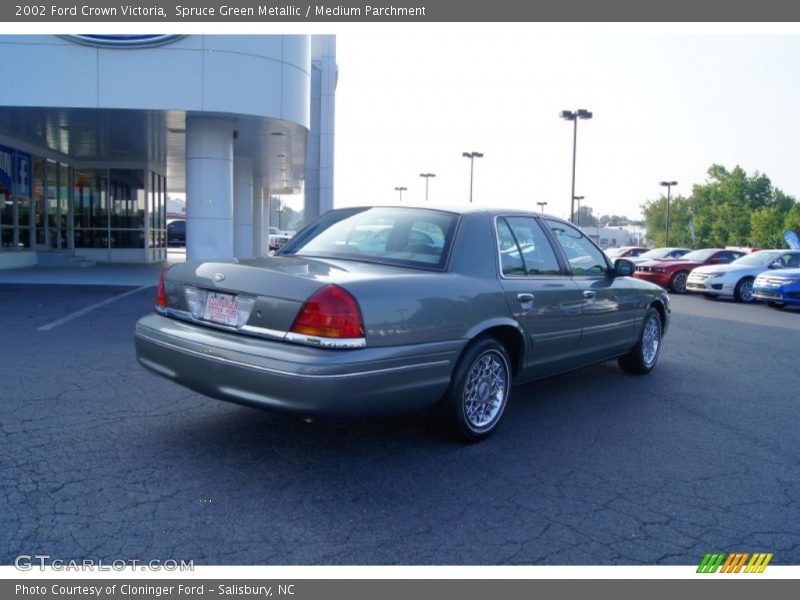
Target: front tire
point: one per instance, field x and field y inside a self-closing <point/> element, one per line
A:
<point x="476" y="399"/>
<point x="677" y="283"/>
<point x="743" y="292"/>
<point x="644" y="355"/>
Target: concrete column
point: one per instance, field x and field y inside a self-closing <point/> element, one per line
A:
<point x="242" y="207"/>
<point x="209" y="188"/>
<point x="259" y="237"/>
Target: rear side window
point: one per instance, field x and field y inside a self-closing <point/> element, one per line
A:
<point x="583" y="256"/>
<point x="403" y="236"/>
<point x="524" y="248"/>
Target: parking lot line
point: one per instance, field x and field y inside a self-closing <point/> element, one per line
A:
<point x="83" y="311"/>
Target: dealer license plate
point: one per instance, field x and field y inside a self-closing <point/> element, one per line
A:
<point x="222" y="309"/>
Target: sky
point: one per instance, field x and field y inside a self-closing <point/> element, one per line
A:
<point x="666" y="106"/>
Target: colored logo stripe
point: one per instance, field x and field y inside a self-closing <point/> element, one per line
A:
<point x="710" y="563"/>
<point x="758" y="563"/>
<point x="733" y="562"/>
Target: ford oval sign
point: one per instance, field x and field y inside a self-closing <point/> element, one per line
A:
<point x="123" y="41"/>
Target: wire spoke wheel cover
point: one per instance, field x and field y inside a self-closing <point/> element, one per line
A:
<point x="485" y="389"/>
<point x="651" y="339"/>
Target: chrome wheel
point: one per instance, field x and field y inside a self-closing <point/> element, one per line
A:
<point x="679" y="282"/>
<point x="485" y="389"/>
<point x="651" y="339"/>
<point x="744" y="291"/>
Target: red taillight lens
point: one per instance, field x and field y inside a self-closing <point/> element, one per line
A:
<point x="161" y="294"/>
<point x="332" y="313"/>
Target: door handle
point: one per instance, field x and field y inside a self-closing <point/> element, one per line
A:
<point x="525" y="297"/>
<point x="589" y="295"/>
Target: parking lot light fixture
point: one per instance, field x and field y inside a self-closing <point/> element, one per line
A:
<point x="401" y="189"/>
<point x="427" y="177"/>
<point x="574" y="116"/>
<point x="471" y="156"/>
<point x="542" y="205"/>
<point x="668" y="185"/>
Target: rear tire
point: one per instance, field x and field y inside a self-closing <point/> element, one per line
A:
<point x="476" y="399"/>
<point x="644" y="355"/>
<point x="677" y="283"/>
<point x="743" y="292"/>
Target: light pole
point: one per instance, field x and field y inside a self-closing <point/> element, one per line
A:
<point x="471" y="156"/>
<point x="427" y="177"/>
<point x="578" y="213"/>
<point x="668" y="185"/>
<point x="401" y="190"/>
<point x="280" y="212"/>
<point x="574" y="116"/>
<point x="542" y="205"/>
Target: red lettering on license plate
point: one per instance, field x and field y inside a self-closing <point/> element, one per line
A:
<point x="222" y="308"/>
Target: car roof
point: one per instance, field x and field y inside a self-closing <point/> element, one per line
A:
<point x="465" y="209"/>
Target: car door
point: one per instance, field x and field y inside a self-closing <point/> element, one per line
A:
<point x="540" y="294"/>
<point x="608" y="302"/>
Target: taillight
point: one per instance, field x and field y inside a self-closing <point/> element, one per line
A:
<point x="161" y="294"/>
<point x="330" y="313"/>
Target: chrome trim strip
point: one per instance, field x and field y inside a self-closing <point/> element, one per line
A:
<point x="319" y="342"/>
<point x="185" y="315"/>
<point x="272" y="334"/>
<point x="286" y="373"/>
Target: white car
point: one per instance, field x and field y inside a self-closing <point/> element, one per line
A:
<point x="735" y="280"/>
<point x="278" y="238"/>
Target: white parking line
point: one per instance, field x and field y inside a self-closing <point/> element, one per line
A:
<point x="83" y="311"/>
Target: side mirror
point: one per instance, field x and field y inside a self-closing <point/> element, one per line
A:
<point x="623" y="268"/>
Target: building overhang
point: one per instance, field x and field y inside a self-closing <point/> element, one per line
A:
<point x="94" y="137"/>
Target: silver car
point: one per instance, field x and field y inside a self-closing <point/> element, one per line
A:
<point x="333" y="326"/>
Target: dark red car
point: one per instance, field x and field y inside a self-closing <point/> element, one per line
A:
<point x="672" y="273"/>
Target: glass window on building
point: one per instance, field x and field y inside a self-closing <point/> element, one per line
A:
<point x="39" y="203"/>
<point x="7" y="212"/>
<point x="128" y="208"/>
<point x="90" y="208"/>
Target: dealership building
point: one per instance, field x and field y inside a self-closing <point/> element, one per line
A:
<point x="95" y="131"/>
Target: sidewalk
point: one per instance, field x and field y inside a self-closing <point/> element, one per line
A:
<point x="119" y="274"/>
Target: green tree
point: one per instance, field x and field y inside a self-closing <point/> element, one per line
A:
<point x="585" y="217"/>
<point x="730" y="208"/>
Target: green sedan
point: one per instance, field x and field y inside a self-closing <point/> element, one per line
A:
<point x="383" y="310"/>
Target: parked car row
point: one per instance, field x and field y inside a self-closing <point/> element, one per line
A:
<point x="743" y="274"/>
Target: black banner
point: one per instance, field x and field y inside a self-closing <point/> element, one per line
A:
<point x="418" y="589"/>
<point x="413" y="11"/>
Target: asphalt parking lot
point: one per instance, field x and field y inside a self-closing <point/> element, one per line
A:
<point x="100" y="459"/>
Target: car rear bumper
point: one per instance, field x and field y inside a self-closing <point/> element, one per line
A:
<point x="286" y="377"/>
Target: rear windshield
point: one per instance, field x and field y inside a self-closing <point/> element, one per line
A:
<point x="413" y="237"/>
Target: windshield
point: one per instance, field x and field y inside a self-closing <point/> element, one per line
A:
<point x="612" y="252"/>
<point x="413" y="237"/>
<point x="699" y="255"/>
<point x="756" y="259"/>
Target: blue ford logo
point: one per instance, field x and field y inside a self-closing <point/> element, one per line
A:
<point x="123" y="41"/>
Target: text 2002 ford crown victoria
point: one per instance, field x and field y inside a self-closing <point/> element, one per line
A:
<point x="450" y="308"/>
